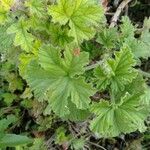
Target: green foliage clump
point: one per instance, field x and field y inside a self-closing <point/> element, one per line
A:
<point x="56" y="56"/>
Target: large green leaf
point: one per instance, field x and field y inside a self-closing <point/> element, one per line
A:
<point x="126" y="116"/>
<point x="56" y="79"/>
<point x="117" y="72"/>
<point x="82" y="16"/>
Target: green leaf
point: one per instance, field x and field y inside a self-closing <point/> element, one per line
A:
<point x="9" y="98"/>
<point x="56" y="79"/>
<point x="82" y="16"/>
<point x="26" y="94"/>
<point x="108" y="38"/>
<point x="24" y="60"/>
<point x="143" y="45"/>
<point x="117" y="72"/>
<point x="3" y="15"/>
<point x="36" y="7"/>
<point x="61" y="136"/>
<point x="126" y="116"/>
<point x="146" y="98"/>
<point x="137" y="85"/>
<point x="58" y="35"/>
<point x="6" y="40"/>
<point x="15" y="82"/>
<point x="127" y="29"/>
<point x="76" y="114"/>
<point x="140" y="46"/>
<point x="4" y="123"/>
<point x="11" y="140"/>
<point x="78" y="144"/>
<point x="6" y="4"/>
<point x="22" y="37"/>
<point x="38" y="144"/>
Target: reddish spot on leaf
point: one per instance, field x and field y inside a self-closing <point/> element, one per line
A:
<point x="76" y="52"/>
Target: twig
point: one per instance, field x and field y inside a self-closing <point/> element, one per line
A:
<point x="118" y="12"/>
<point x="101" y="147"/>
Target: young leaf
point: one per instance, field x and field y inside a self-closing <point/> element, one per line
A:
<point x="82" y="16"/>
<point x="58" y="35"/>
<point x="22" y="37"/>
<point x="108" y="38"/>
<point x="38" y="144"/>
<point x="127" y="28"/>
<point x="117" y="72"/>
<point x="9" y="98"/>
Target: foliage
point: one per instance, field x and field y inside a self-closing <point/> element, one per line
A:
<point x="10" y="139"/>
<point x="55" y="57"/>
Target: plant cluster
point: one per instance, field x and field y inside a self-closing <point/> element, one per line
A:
<point x="56" y="56"/>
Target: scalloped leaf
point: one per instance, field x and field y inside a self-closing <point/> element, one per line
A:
<point x="82" y="16"/>
<point x="117" y="72"/>
<point x="126" y="116"/>
<point x="22" y="37"/>
<point x="36" y="7"/>
<point x="56" y="79"/>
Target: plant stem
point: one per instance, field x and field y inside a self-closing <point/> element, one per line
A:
<point x="118" y="12"/>
<point x="96" y="145"/>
